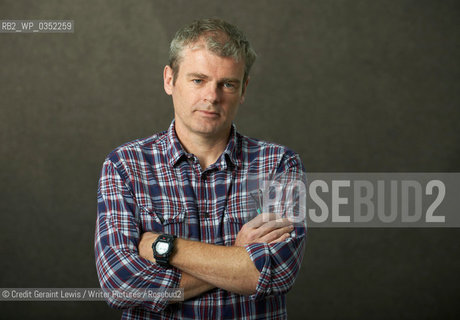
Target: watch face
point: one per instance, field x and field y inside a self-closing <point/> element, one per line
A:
<point x="162" y="247"/>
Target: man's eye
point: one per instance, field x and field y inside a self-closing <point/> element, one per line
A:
<point x="229" y="85"/>
<point x="197" y="81"/>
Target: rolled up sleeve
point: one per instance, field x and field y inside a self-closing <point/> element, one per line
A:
<point x="279" y="263"/>
<point x="119" y="266"/>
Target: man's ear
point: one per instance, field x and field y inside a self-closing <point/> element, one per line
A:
<point x="168" y="79"/>
<point x="243" y="90"/>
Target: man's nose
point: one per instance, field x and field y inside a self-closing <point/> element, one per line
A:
<point x="212" y="93"/>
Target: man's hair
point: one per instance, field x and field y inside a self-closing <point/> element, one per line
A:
<point x="220" y="37"/>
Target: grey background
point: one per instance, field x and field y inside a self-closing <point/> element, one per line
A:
<point x="351" y="85"/>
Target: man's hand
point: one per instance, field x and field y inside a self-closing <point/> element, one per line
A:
<point x="145" y="245"/>
<point x="265" y="227"/>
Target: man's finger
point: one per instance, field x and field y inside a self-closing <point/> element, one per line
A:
<point x="281" y="239"/>
<point x="260" y="219"/>
<point x="263" y="218"/>
<point x="270" y="226"/>
<point x="275" y="234"/>
<point x="275" y="224"/>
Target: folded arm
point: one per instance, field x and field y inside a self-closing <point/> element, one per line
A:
<point x="264" y="260"/>
<point x="118" y="264"/>
<point x="228" y="268"/>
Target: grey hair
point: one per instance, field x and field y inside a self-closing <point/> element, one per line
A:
<point x="220" y="37"/>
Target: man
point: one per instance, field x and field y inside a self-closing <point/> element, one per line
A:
<point x="174" y="209"/>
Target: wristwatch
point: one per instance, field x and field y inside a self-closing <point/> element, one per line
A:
<point x="163" y="248"/>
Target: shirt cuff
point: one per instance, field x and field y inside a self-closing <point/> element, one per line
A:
<point x="260" y="255"/>
<point x="171" y="278"/>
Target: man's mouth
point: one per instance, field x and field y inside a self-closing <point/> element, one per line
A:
<point x="207" y="113"/>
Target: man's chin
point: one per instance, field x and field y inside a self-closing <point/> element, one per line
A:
<point x="211" y="131"/>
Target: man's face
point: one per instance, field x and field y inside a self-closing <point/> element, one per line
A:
<point x="207" y="92"/>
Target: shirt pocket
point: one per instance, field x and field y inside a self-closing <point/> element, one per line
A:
<point x="238" y="212"/>
<point x="165" y="217"/>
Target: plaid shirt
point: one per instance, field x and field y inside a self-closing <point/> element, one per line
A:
<point x="153" y="184"/>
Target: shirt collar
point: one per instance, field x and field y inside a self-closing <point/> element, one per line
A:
<point x="231" y="153"/>
<point x="175" y="150"/>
